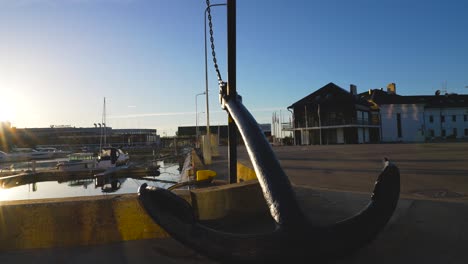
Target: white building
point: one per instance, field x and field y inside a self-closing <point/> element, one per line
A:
<point x="450" y="122"/>
<point x="420" y="118"/>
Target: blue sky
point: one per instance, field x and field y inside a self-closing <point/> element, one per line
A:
<point x="59" y="58"/>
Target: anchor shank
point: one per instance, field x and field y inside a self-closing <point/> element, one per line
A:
<point x="276" y="187"/>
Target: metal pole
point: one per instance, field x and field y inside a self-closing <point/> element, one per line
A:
<point x="196" y="117"/>
<point x="104" y="121"/>
<point x="207" y="155"/>
<point x="306" y="125"/>
<point x="231" y="89"/>
<point x="293" y="126"/>
<point x="281" y="127"/>
<point x="320" y="124"/>
<point x="206" y="150"/>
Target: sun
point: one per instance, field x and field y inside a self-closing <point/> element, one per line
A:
<point x="7" y="110"/>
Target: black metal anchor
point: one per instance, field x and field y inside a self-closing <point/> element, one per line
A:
<point x="295" y="238"/>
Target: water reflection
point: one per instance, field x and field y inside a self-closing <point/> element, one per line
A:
<point x="30" y="186"/>
<point x="112" y="185"/>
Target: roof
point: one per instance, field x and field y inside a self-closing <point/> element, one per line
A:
<point x="330" y="93"/>
<point x="381" y="97"/>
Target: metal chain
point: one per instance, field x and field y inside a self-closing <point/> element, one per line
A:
<point x="220" y="80"/>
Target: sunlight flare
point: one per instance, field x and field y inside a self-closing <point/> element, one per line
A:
<point x="7" y="108"/>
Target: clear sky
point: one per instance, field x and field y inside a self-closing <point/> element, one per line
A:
<point x="59" y="58"/>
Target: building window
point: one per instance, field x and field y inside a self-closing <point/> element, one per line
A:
<point x="465" y="118"/>
<point x="466" y="132"/>
<point x="443" y="133"/>
<point x="398" y="120"/>
<point x="455" y="132"/>
<point x="431" y="132"/>
<point x="431" y="119"/>
<point x="442" y="119"/>
<point x="454" y="118"/>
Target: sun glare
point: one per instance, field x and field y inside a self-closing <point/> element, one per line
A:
<point x="7" y="109"/>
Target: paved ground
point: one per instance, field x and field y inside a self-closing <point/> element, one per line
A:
<point x="431" y="221"/>
<point x="438" y="171"/>
<point x="333" y="182"/>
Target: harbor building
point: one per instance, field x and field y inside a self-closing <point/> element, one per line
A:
<point x="333" y="115"/>
<point x="420" y="118"/>
<point x="76" y="136"/>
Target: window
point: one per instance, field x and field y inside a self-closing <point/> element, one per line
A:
<point x="431" y="132"/>
<point x="454" y="118"/>
<point x="398" y="120"/>
<point x="431" y="119"/>
<point x="466" y="132"/>
<point x="365" y="116"/>
<point x="465" y="118"/>
<point x="455" y="132"/>
<point x="443" y="133"/>
<point x="442" y="119"/>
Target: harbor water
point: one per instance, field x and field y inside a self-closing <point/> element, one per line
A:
<point x="90" y="186"/>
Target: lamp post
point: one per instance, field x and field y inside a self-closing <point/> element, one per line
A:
<point x="198" y="132"/>
<point x="207" y="156"/>
<point x="196" y="118"/>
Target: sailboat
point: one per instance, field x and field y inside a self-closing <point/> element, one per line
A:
<point x="108" y="157"/>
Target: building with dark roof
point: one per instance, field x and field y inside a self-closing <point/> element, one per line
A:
<point x="419" y="118"/>
<point x="333" y="115"/>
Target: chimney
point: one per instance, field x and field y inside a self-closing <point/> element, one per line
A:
<point x="353" y="89"/>
<point x="391" y="88"/>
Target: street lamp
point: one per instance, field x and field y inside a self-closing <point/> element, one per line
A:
<point x="196" y="116"/>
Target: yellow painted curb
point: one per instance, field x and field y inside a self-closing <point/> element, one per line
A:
<point x="74" y="222"/>
<point x="245" y="173"/>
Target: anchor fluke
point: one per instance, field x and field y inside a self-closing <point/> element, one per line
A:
<point x="306" y="241"/>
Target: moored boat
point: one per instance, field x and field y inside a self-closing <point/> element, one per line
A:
<point x="24" y="154"/>
<point x="87" y="161"/>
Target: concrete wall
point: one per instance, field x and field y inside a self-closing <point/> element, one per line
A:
<point x="82" y="221"/>
<point x="74" y="222"/>
<point x="224" y="201"/>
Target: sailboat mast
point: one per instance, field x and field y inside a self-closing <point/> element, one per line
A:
<point x="104" y="121"/>
<point x="102" y="125"/>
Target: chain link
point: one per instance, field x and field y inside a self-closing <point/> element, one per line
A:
<point x="213" y="53"/>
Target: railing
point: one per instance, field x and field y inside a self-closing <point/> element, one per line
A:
<point x="337" y="122"/>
